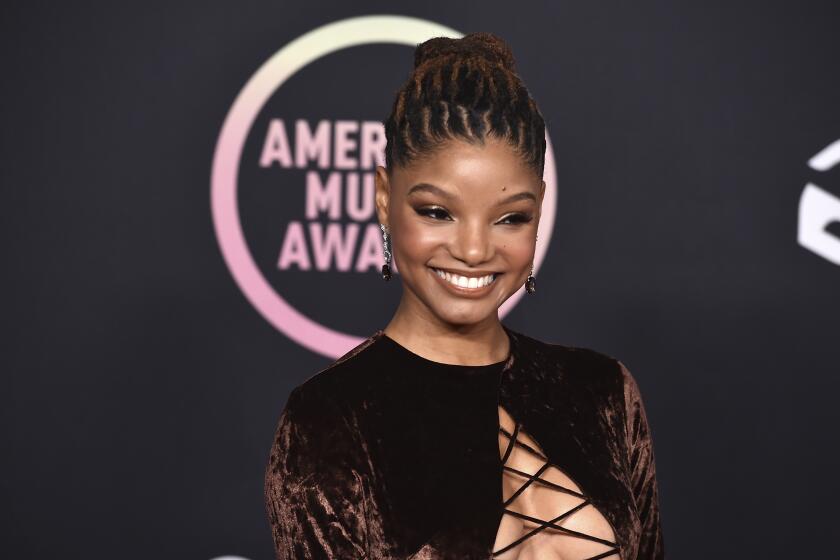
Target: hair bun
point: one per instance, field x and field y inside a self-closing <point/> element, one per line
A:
<point x="483" y="44"/>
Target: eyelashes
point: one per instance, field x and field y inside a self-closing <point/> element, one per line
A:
<point x="517" y="219"/>
<point x="433" y="212"/>
<point x="438" y="213"/>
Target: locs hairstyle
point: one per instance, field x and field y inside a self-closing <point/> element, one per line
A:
<point x="464" y="88"/>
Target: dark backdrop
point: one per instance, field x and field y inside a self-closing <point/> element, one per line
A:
<point x="140" y="388"/>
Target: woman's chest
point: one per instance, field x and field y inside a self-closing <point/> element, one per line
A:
<point x="451" y="479"/>
<point x="546" y="514"/>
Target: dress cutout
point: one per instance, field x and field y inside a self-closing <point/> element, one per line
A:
<point x="543" y="504"/>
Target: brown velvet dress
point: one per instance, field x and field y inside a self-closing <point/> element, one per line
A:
<point x="388" y="455"/>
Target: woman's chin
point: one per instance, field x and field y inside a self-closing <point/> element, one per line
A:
<point x="465" y="314"/>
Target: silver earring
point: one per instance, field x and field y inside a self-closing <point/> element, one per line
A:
<point x="386" y="244"/>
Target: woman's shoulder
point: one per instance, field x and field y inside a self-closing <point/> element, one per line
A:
<point x="583" y="369"/>
<point x="342" y="377"/>
<point x="581" y="363"/>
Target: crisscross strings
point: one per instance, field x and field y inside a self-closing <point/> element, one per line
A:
<point x="536" y="477"/>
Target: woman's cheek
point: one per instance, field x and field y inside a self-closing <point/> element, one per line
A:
<point x="421" y="241"/>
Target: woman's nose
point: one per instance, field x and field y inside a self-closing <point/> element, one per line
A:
<point x="473" y="244"/>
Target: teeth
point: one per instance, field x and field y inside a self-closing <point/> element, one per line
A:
<point x="463" y="281"/>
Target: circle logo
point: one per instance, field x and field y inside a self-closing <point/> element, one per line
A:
<point x="225" y="193"/>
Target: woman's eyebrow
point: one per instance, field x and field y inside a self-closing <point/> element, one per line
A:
<point x="433" y="189"/>
<point x="524" y="195"/>
<point x="421" y="187"/>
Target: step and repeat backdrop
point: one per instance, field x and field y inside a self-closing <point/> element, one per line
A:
<point x="189" y="232"/>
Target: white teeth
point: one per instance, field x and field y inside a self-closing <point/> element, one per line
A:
<point x="463" y="281"/>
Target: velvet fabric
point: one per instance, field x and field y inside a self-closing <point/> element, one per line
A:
<point x="387" y="455"/>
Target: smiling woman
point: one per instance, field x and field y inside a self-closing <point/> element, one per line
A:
<point x="470" y="211"/>
<point x="447" y="434"/>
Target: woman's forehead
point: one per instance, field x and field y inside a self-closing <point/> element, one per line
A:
<point x="459" y="165"/>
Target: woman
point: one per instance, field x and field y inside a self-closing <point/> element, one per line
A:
<point x="447" y="434"/>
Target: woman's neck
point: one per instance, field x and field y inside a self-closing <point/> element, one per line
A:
<point x="474" y="344"/>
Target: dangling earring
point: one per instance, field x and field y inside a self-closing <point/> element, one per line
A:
<point x="531" y="282"/>
<point x="386" y="244"/>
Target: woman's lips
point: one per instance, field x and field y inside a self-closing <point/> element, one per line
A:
<point x="462" y="291"/>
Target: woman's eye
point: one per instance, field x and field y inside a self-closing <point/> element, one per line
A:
<point x="516" y="219"/>
<point x="434" y="213"/>
<point x="437" y="213"/>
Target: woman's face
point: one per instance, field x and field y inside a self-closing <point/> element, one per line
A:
<point x="468" y="213"/>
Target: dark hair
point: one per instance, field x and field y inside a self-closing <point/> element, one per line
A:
<point x="466" y="88"/>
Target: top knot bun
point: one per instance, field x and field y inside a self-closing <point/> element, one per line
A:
<point x="486" y="45"/>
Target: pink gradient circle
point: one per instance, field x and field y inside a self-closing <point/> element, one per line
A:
<point x="268" y="78"/>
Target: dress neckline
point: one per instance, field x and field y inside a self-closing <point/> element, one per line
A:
<point x="442" y="365"/>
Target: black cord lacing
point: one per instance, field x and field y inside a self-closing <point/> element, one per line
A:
<point x="543" y="523"/>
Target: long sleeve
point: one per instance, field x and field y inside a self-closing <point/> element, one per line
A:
<point x="643" y="471"/>
<point x="314" y="483"/>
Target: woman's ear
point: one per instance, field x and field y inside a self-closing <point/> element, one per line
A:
<point x="540" y="201"/>
<point x="383" y="194"/>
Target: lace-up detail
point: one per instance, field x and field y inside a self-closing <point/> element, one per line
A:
<point x="530" y="496"/>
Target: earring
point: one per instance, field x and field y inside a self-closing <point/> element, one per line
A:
<point x="386" y="244"/>
<point x="531" y="282"/>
